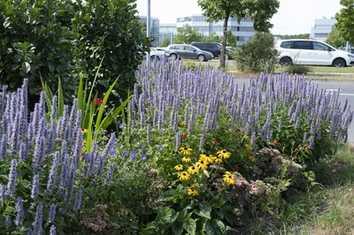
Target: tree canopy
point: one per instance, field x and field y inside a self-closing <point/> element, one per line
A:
<point x="335" y="38"/>
<point x="345" y="20"/>
<point x="260" y="11"/>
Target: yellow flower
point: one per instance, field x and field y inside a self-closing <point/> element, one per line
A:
<point x="179" y="167"/>
<point x="192" y="191"/>
<point x="229" y="179"/>
<point x="218" y="161"/>
<point x="198" y="165"/>
<point x="192" y="170"/>
<point x="184" y="176"/>
<point x="186" y="151"/>
<point x="186" y="160"/>
<point x="223" y="154"/>
<point x="203" y="165"/>
<point x="212" y="159"/>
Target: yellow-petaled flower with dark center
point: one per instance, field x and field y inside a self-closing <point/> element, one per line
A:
<point x="192" y="191"/>
<point x="186" y="160"/>
<point x="223" y="154"/>
<point x="184" y="176"/>
<point x="198" y="166"/>
<point x="186" y="151"/>
<point x="218" y="161"/>
<point x="212" y="159"/>
<point x="179" y="167"/>
<point x="203" y="165"/>
<point x="193" y="170"/>
<point x="229" y="179"/>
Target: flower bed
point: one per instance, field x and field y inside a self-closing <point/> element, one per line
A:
<point x="197" y="152"/>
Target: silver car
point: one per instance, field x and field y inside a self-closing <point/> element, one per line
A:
<point x="187" y="51"/>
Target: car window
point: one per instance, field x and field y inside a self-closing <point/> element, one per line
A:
<point x="304" y="45"/>
<point x="287" y="44"/>
<point x="189" y="48"/>
<point x="320" y="46"/>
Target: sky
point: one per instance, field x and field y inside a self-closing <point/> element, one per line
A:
<point x="293" y="17"/>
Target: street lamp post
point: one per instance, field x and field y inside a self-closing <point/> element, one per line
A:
<point x="148" y="25"/>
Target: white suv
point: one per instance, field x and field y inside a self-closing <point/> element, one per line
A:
<point x="311" y="52"/>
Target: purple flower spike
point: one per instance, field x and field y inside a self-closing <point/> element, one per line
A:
<point x="11" y="185"/>
<point x="19" y="212"/>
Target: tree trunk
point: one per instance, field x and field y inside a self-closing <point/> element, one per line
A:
<point x="224" y="40"/>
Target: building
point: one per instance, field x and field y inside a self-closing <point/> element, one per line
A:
<point x="155" y="29"/>
<point x="167" y="31"/>
<point x="243" y="30"/>
<point x="322" y="28"/>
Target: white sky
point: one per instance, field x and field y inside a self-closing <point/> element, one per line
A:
<point x="294" y="16"/>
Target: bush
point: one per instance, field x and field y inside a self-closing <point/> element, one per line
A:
<point x="68" y="39"/>
<point x="297" y="69"/>
<point x="258" y="54"/>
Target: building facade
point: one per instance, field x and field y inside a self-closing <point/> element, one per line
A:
<point x="155" y="29"/>
<point x="243" y="30"/>
<point x="322" y="28"/>
<point x="167" y="32"/>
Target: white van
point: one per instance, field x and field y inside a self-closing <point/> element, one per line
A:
<point x="311" y="52"/>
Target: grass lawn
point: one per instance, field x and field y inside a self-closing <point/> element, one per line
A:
<point x="329" y="208"/>
<point x="316" y="72"/>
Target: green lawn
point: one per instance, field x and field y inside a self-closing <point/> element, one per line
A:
<point x="316" y="72"/>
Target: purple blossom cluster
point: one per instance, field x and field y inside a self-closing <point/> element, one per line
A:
<point x="51" y="147"/>
<point x="169" y="96"/>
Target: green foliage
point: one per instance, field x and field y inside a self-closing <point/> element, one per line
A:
<point x="212" y="38"/>
<point x="335" y="38"/>
<point x="231" y="39"/>
<point x="258" y="54"/>
<point x="188" y="34"/>
<point x="53" y="40"/>
<point x="261" y="11"/>
<point x="345" y="20"/>
<point x="297" y="69"/>
<point x="294" y="36"/>
<point x="165" y="42"/>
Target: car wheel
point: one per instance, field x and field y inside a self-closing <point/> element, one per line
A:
<point x="173" y="56"/>
<point x="285" y="61"/>
<point x="201" y="58"/>
<point x="339" y="63"/>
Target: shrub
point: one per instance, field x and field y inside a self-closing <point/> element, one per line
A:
<point x="67" y="40"/>
<point x="297" y="69"/>
<point x="258" y="54"/>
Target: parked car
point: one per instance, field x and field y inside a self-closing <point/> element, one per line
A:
<point x="158" y="53"/>
<point x="186" y="51"/>
<point x="212" y="47"/>
<point x="311" y="52"/>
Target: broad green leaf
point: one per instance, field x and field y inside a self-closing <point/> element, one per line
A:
<point x="204" y="212"/>
<point x="167" y="215"/>
<point x="190" y="226"/>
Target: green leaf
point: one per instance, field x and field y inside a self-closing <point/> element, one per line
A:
<point x="60" y="99"/>
<point x="114" y="114"/>
<point x="101" y="109"/>
<point x="190" y="226"/>
<point x="204" y="212"/>
<point x="167" y="215"/>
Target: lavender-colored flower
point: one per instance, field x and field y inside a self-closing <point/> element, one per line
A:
<point x="19" y="212"/>
<point x="52" y="178"/>
<point x="53" y="230"/>
<point x="38" y="155"/>
<point x="38" y="220"/>
<point x="78" y="200"/>
<point x="11" y="185"/>
<point x="133" y="154"/>
<point x="2" y="147"/>
<point x="111" y="146"/>
<point x="23" y="151"/>
<point x="35" y="186"/>
<point x="52" y="213"/>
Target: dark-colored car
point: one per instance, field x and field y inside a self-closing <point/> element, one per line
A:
<point x="212" y="47"/>
<point x="186" y="51"/>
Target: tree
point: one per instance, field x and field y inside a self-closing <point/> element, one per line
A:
<point x="345" y="20"/>
<point x="260" y="11"/>
<point x="335" y="38"/>
<point x="212" y="38"/>
<point x="187" y="34"/>
<point x="231" y="39"/>
<point x="258" y="54"/>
